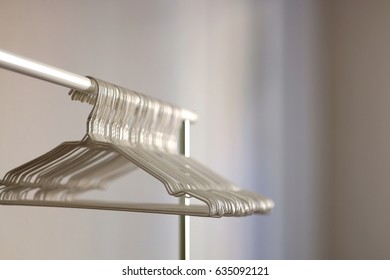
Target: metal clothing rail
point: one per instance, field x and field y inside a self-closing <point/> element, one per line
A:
<point x="57" y="76"/>
<point x="67" y="79"/>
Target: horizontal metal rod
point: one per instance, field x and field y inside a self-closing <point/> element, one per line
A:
<point x="44" y="72"/>
<point x="57" y="76"/>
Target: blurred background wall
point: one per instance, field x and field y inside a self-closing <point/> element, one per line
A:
<point x="360" y="131"/>
<point x="293" y="103"/>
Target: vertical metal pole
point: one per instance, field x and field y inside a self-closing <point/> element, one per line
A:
<point x="184" y="222"/>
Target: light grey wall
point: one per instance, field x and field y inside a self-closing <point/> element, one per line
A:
<point x="306" y="110"/>
<point x="248" y="68"/>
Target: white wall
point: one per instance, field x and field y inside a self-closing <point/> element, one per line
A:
<point x="245" y="66"/>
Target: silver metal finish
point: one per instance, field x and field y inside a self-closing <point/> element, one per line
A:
<point x="44" y="72"/>
<point x="185" y="229"/>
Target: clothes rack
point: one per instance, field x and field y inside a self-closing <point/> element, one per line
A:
<point x="85" y="87"/>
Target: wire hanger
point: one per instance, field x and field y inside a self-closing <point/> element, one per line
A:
<point x="126" y="130"/>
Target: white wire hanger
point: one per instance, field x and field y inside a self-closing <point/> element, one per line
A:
<point x="126" y="130"/>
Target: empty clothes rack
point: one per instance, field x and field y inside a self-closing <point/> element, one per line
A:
<point x="131" y="127"/>
<point x="130" y="130"/>
<point x="125" y="130"/>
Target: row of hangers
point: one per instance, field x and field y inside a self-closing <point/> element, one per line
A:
<point x="126" y="130"/>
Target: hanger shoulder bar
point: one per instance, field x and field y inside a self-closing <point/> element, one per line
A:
<point x="57" y="76"/>
<point x="157" y="208"/>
